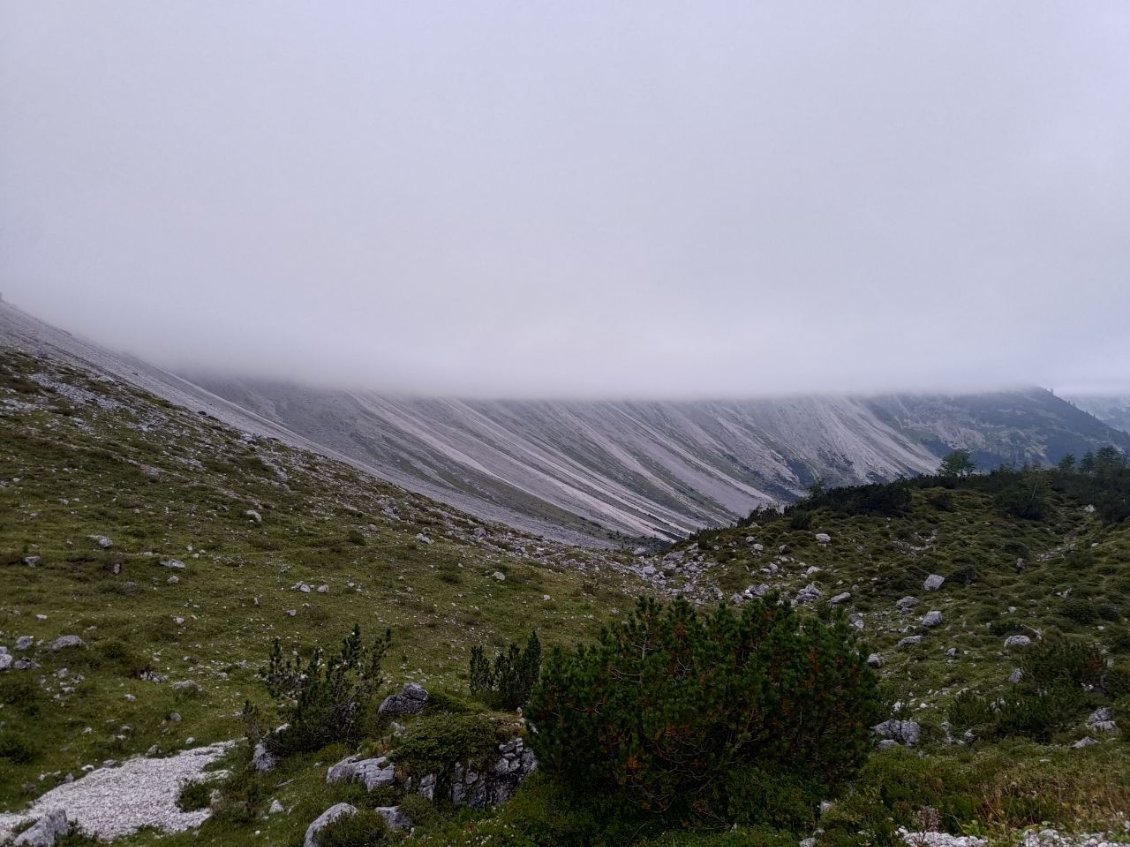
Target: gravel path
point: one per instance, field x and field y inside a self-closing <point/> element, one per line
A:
<point x="112" y="802"/>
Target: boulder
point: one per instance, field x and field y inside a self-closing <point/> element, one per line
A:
<point x="906" y="604"/>
<point x="64" y="642"/>
<point x="258" y="518"/>
<point x="931" y="619"/>
<point x="24" y="642"/>
<point x="45" y="831"/>
<point x="275" y="808"/>
<point x="394" y="817"/>
<point x="910" y="641"/>
<point x="104" y="542"/>
<point x="933" y="582"/>
<point x="842" y="597"/>
<point x="262" y="759"/>
<point x="1102" y="720"/>
<point x="823" y="538"/>
<point x="325" y="819"/>
<point x="372" y="773"/>
<point x="32" y="561"/>
<point x="906" y="733"/>
<point x="6" y="661"/>
<point x="1016" y="641"/>
<point x="875" y="660"/>
<point x="174" y="564"/>
<point x="410" y="701"/>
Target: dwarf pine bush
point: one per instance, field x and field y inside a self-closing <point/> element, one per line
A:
<point x="705" y="717"/>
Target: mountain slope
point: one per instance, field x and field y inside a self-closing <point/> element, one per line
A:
<point x="663" y="468"/>
<point x="1113" y="410"/>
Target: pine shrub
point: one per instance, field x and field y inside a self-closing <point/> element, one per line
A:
<point x="688" y="718"/>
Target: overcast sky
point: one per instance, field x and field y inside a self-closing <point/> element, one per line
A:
<point x="577" y="198"/>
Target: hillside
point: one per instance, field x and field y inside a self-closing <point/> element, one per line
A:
<point x="175" y="548"/>
<point x="1113" y="410"/>
<point x="662" y="468"/>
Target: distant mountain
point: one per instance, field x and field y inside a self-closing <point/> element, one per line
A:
<point x="602" y="472"/>
<point x="1113" y="410"/>
<point x="663" y="468"/>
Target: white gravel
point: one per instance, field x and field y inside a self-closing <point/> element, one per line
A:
<point x="112" y="802"/>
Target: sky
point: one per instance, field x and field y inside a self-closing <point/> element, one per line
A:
<point x="661" y="199"/>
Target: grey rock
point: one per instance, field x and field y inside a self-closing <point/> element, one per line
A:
<point x="931" y="619"/>
<point x="258" y="518"/>
<point x="1087" y="741"/>
<point x="104" y="542"/>
<point x="24" y="642"/>
<point x="46" y="831"/>
<point x="1102" y="720"/>
<point x="951" y="653"/>
<point x="933" y="582"/>
<point x="409" y="701"/>
<point x="323" y="589"/>
<point x="64" y="642"/>
<point x="32" y="561"/>
<point x="372" y="773"/>
<point x="1017" y="641"/>
<point x="173" y="580"/>
<point x="175" y="564"/>
<point x="842" y="597"/>
<point x="262" y="759"/>
<point x="394" y="817"/>
<point x="275" y="808"/>
<point x="499" y="575"/>
<point x="910" y="641"/>
<point x="325" y="819"/>
<point x="809" y="594"/>
<point x="6" y="661"/>
<point x="423" y="539"/>
<point x="186" y="686"/>
<point x="1015" y="677"/>
<point x="906" y="733"/>
<point x="823" y="538"/>
<point x="875" y="660"/>
<point x="906" y="604"/>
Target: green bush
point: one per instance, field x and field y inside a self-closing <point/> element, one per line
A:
<point x="325" y="701"/>
<point x="1063" y="661"/>
<point x="686" y="718"/>
<point x="508" y="684"/>
<point x="361" y="829"/>
<point x="194" y="796"/>
<point x="436" y="743"/>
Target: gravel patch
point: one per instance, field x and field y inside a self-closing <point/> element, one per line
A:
<point x="113" y="802"/>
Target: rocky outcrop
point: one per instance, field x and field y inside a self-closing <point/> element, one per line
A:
<point x="45" y="831"/>
<point x="325" y="819"/>
<point x="372" y="773"/>
<point x="410" y="701"/>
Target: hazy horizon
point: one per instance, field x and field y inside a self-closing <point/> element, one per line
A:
<point x="642" y="201"/>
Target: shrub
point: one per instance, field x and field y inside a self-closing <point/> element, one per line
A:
<point x="684" y="717"/>
<point x="508" y="684"/>
<point x="325" y="701"/>
<point x="194" y="796"/>
<point x="361" y="829"/>
<point x="1063" y="661"/>
<point x="436" y="743"/>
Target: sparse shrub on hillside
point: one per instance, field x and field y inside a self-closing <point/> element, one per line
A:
<point x="506" y="685"/>
<point x="325" y="700"/>
<point x="361" y="829"/>
<point x="677" y="716"/>
<point x="1063" y="661"/>
<point x="1027" y="498"/>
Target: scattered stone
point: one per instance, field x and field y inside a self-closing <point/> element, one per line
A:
<point x="275" y="808"/>
<point x="931" y="619"/>
<point x="1086" y="741"/>
<point x="301" y="586"/>
<point x="46" y="831"/>
<point x="842" y="597"/>
<point x="1016" y="641"/>
<point x="933" y="582"/>
<point x="325" y="819"/>
<point x="6" y="661"/>
<point x="104" y="542"/>
<point x="173" y="580"/>
<point x="291" y="613"/>
<point x="65" y="642"/>
<point x="175" y="564"/>
<point x="951" y="653"/>
<point x="910" y="641"/>
<point x="906" y="604"/>
<point x="875" y="660"/>
<point x="372" y="773"/>
<point x="255" y="516"/>
<point x="409" y="701"/>
<point x="186" y="686"/>
<point x="809" y="594"/>
<point x="906" y="733"/>
<point x="423" y="539"/>
<point x="24" y="642"/>
<point x="32" y="561"/>
<point x="939" y="839"/>
<point x="499" y="575"/>
<point x="480" y="532"/>
<point x="823" y="538"/>
<point x="323" y="589"/>
<point x="1015" y="677"/>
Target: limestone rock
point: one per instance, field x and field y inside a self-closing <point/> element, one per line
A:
<point x="906" y="604"/>
<point x="262" y="759"/>
<point x="325" y="819"/>
<point x="823" y="538"/>
<point x="932" y="619"/>
<point x="1016" y="641"/>
<point x="933" y="582"/>
<point x="394" y="817"/>
<point x="372" y="773"/>
<point x="409" y="701"/>
<point x="906" y="733"/>
<point x="46" y="831"/>
<point x="64" y="642"/>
